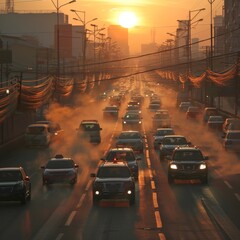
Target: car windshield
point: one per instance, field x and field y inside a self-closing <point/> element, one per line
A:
<point x="36" y="130"/>
<point x="154" y="106"/>
<point x="164" y="132"/>
<point x="90" y="127"/>
<point x="111" y="109"/>
<point x="60" y="164"/>
<point x="129" y="136"/>
<point x="114" y="172"/>
<point x="127" y="156"/>
<point x="216" y="118"/>
<point x="188" y="156"/>
<point x="10" y="176"/>
<point x="161" y="116"/>
<point x="174" y="141"/>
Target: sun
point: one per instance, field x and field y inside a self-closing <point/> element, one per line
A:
<point x="127" y="19"/>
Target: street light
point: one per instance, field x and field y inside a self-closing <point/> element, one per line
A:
<point x="189" y="38"/>
<point x="211" y="32"/>
<point x="57" y="6"/>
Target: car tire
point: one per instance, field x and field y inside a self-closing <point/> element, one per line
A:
<point x="132" y="200"/>
<point x="95" y="201"/>
<point x="170" y="179"/>
<point x="23" y="199"/>
<point x="161" y="156"/>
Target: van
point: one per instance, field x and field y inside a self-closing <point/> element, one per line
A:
<point x="37" y="135"/>
<point x="90" y="130"/>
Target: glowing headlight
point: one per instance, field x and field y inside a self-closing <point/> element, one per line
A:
<point x="173" y="166"/>
<point x="203" y="166"/>
<point x="129" y="192"/>
<point x="140" y="122"/>
<point x="124" y="122"/>
<point x="97" y="192"/>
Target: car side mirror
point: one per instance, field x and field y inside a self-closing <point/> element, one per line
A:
<point x="93" y="175"/>
<point x="138" y="158"/>
<point x="43" y="167"/>
<point x="76" y="165"/>
<point x="27" y="178"/>
<point x="103" y="159"/>
<point x="205" y="157"/>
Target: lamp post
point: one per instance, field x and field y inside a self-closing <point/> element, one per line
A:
<point x="83" y="21"/>
<point x="189" y="37"/>
<point x="57" y="6"/>
<point x="211" y="33"/>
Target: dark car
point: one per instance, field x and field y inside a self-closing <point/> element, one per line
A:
<point x="60" y="170"/>
<point x="193" y="112"/>
<point x="169" y="143"/>
<point x="124" y="154"/>
<point x="161" y="119"/>
<point x="54" y="128"/>
<point x="187" y="163"/>
<point x="132" y="121"/>
<point x="131" y="139"/>
<point x="160" y="134"/>
<point x="231" y="140"/>
<point x="113" y="180"/>
<point x="183" y="106"/>
<point x="215" y="122"/>
<point x="90" y="130"/>
<point x="209" y="111"/>
<point x="15" y="185"/>
<point x="110" y="112"/>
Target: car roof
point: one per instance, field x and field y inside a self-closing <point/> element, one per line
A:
<point x="130" y="131"/>
<point x="10" y="168"/>
<point x="187" y="148"/>
<point x="125" y="149"/>
<point x="114" y="164"/>
<point x="38" y="125"/>
<point x="175" y="135"/>
<point x="89" y="121"/>
<point x="164" y="129"/>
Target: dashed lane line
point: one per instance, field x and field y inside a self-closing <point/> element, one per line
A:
<point x="228" y="184"/>
<point x="59" y="236"/>
<point x="70" y="218"/>
<point x="158" y="219"/>
<point x="155" y="202"/>
<point x="81" y="200"/>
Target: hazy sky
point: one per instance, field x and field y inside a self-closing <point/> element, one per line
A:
<point x="155" y="17"/>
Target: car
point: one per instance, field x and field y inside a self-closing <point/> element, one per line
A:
<point x="183" y="106"/>
<point x="54" y="128"/>
<point x="132" y="121"/>
<point x="153" y="107"/>
<point x="132" y="139"/>
<point x="207" y="112"/>
<point x="231" y="124"/>
<point x="161" y="119"/>
<point x="231" y="140"/>
<point x="193" y="112"/>
<point x="215" y="122"/>
<point x="60" y="169"/>
<point x="113" y="180"/>
<point x="115" y="100"/>
<point x="133" y="109"/>
<point x="90" y="130"/>
<point x="188" y="163"/>
<point x="37" y="135"/>
<point x="15" y="184"/>
<point x="110" y="112"/>
<point x="123" y="154"/>
<point x="159" y="134"/>
<point x="169" y="143"/>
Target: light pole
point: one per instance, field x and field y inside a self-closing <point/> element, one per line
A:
<point x="211" y="32"/>
<point x="83" y="21"/>
<point x="57" y="6"/>
<point x="189" y="37"/>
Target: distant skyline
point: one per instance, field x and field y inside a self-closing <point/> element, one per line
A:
<point x="154" y="17"/>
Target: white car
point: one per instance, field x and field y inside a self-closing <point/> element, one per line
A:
<point x="37" y="134"/>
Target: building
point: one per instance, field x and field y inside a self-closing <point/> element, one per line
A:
<point x="232" y="23"/>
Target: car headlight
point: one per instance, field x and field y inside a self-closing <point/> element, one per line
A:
<point x="124" y="122"/>
<point x="203" y="166"/>
<point x="173" y="166"/>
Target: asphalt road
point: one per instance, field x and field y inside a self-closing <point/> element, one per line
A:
<point x="185" y="210"/>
